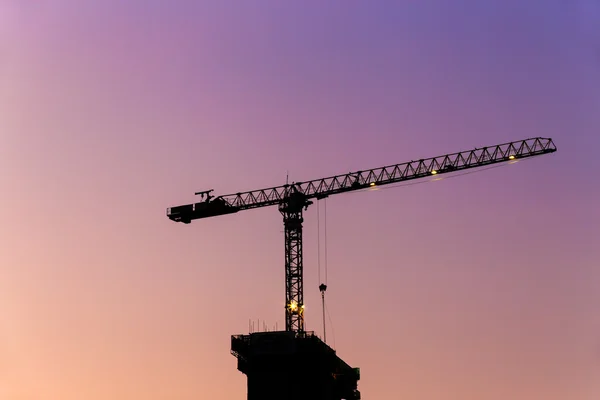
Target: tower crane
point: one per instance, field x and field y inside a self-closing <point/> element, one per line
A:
<point x="293" y="199"/>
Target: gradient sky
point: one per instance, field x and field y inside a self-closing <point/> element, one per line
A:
<point x="486" y="286"/>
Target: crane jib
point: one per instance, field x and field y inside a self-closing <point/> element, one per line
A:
<point x="323" y="188"/>
<point x="293" y="199"/>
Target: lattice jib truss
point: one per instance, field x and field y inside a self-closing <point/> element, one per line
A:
<point x="292" y="199"/>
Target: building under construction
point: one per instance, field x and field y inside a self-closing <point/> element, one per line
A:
<point x="293" y="366"/>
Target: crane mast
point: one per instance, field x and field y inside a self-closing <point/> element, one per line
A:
<point x="291" y="209"/>
<point x="293" y="199"/>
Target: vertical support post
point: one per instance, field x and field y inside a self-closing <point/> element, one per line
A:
<point x="294" y="294"/>
<point x="291" y="208"/>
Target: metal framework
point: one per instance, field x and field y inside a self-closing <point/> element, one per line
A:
<point x="291" y="209"/>
<point x="293" y="199"/>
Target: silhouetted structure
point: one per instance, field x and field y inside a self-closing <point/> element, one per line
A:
<point x="293" y="366"/>
<point x="293" y="199"/>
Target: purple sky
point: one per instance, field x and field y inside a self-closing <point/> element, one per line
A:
<point x="486" y="286"/>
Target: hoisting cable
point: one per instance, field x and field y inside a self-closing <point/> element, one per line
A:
<point x="325" y="223"/>
<point x="331" y="326"/>
<point x="322" y="286"/>
<point x="319" y="239"/>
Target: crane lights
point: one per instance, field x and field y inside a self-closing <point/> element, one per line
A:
<point x="295" y="198"/>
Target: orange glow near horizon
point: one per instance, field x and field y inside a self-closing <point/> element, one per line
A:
<point x="112" y="111"/>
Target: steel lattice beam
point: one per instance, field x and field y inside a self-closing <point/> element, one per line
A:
<point x="291" y="208"/>
<point x="321" y="188"/>
<point x="293" y="199"/>
<point x="294" y="293"/>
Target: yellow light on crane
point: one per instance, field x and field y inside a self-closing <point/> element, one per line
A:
<point x="292" y="199"/>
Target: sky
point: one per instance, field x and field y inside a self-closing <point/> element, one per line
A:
<point x="480" y="286"/>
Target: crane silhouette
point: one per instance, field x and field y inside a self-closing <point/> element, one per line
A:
<point x="293" y="199"/>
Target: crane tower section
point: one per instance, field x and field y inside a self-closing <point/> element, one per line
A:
<point x="293" y="199"/>
<point x="295" y="364"/>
